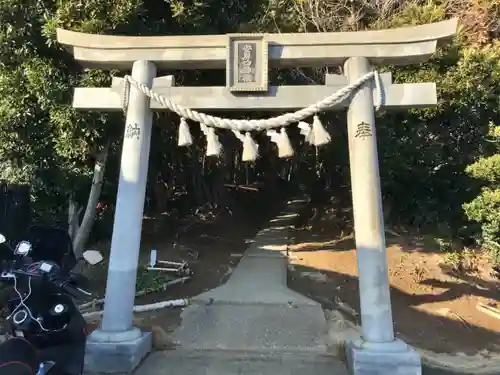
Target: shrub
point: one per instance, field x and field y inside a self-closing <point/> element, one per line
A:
<point x="485" y="208"/>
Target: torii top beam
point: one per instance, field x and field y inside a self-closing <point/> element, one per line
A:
<point x="401" y="46"/>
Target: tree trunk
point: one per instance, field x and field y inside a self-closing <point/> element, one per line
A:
<point x="74" y="211"/>
<point x="83" y="233"/>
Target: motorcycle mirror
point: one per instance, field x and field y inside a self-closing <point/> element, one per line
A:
<point x="92" y="256"/>
<point x="23" y="248"/>
<point x="2" y="239"/>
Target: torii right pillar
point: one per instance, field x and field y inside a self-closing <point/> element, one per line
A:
<point x="377" y="352"/>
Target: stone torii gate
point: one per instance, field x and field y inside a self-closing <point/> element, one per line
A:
<point x="246" y="58"/>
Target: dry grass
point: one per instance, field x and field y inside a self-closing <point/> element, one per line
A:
<point x="479" y="19"/>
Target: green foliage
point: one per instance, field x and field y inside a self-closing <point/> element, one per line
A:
<point x="430" y="148"/>
<point x="151" y="281"/>
<point x="487" y="169"/>
<point x="40" y="134"/>
<point x="485" y="208"/>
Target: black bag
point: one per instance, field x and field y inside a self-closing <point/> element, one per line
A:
<point x="18" y="357"/>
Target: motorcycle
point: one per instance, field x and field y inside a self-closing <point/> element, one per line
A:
<point x="48" y="331"/>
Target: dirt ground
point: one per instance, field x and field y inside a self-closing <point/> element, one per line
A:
<point x="434" y="307"/>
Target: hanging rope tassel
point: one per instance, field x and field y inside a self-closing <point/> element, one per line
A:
<point x="281" y="139"/>
<point x="285" y="149"/>
<point x="250" y="147"/>
<point x="319" y="136"/>
<point x="185" y="138"/>
<point x="214" y="146"/>
<point x="305" y="130"/>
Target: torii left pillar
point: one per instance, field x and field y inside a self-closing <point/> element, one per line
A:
<point x="117" y="346"/>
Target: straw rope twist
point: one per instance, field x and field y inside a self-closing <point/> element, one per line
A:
<point x="261" y="124"/>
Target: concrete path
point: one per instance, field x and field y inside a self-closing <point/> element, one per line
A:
<point x="253" y="324"/>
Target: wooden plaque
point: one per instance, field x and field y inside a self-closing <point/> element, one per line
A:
<point x="247" y="63"/>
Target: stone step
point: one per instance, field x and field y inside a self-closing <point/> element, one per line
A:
<point x="181" y="362"/>
<point x="253" y="327"/>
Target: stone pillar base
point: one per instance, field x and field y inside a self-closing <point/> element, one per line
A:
<point x="396" y="358"/>
<point x="114" y="356"/>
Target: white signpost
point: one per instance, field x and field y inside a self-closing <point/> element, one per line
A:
<point x="118" y="346"/>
